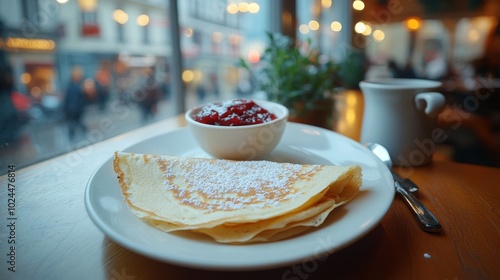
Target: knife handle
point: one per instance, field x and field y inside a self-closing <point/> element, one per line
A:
<point x="428" y="222"/>
<point x="406" y="183"/>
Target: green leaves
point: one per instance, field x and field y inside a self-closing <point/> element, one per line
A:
<point x="352" y="69"/>
<point x="289" y="74"/>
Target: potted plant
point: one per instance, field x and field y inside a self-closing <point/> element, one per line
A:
<point x="352" y="69"/>
<point x="297" y="78"/>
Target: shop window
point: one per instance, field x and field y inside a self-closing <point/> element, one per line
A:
<point x="29" y="11"/>
<point x="89" y="26"/>
<point x="143" y="22"/>
<point x="121" y="18"/>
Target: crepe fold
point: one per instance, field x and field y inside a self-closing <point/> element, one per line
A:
<point x="233" y="201"/>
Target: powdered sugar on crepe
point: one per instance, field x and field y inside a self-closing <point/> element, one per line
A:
<point x="247" y="184"/>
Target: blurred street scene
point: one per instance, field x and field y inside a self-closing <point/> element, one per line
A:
<point x="74" y="72"/>
<point x="77" y="72"/>
<point x="48" y="135"/>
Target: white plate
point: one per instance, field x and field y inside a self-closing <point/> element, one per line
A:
<point x="300" y="144"/>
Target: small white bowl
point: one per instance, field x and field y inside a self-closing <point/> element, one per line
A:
<point x="247" y="142"/>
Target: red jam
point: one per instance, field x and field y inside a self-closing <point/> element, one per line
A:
<point x="234" y="113"/>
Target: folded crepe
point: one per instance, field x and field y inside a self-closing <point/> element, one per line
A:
<point x="233" y="201"/>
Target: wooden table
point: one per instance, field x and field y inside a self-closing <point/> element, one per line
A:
<point x="55" y="238"/>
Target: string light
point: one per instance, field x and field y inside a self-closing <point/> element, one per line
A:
<point x="253" y="8"/>
<point x="232" y="9"/>
<point x="243" y="7"/>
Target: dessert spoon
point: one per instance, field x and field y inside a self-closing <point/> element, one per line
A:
<point x="427" y="221"/>
<point x="382" y="153"/>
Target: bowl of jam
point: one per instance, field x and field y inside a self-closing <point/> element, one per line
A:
<point x="239" y="129"/>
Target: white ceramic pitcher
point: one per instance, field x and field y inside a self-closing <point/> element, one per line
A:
<point x="400" y="114"/>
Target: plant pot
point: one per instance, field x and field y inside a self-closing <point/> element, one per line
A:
<point x="319" y="115"/>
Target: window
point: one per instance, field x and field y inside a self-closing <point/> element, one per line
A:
<point x="107" y="50"/>
<point x="30" y="10"/>
<point x="143" y="22"/>
<point x="121" y="18"/>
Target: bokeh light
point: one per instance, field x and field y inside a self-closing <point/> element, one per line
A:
<point x="473" y="35"/>
<point x="253" y="8"/>
<point x="313" y="25"/>
<point x="326" y="3"/>
<point x="368" y="30"/>
<point x="217" y="37"/>
<point x="232" y="8"/>
<point x="143" y="20"/>
<point x="360" y="27"/>
<point x="413" y="24"/>
<point x="358" y="5"/>
<point x="253" y="56"/>
<point x="378" y="35"/>
<point x="25" y="78"/>
<point x="304" y="29"/>
<point x="187" y="76"/>
<point x="243" y="7"/>
<point x="336" y="26"/>
<point x="120" y="16"/>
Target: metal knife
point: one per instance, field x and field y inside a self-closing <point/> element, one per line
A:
<point x="405" y="183"/>
<point x="427" y="221"/>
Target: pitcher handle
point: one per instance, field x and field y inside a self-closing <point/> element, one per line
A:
<point x="432" y="103"/>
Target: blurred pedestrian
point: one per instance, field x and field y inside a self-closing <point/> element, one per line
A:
<point x="165" y="86"/>
<point x="201" y="92"/>
<point x="148" y="94"/>
<point x="89" y="90"/>
<point x="102" y="89"/>
<point x="74" y="103"/>
<point x="435" y="64"/>
<point x="401" y="72"/>
<point x="215" y="84"/>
